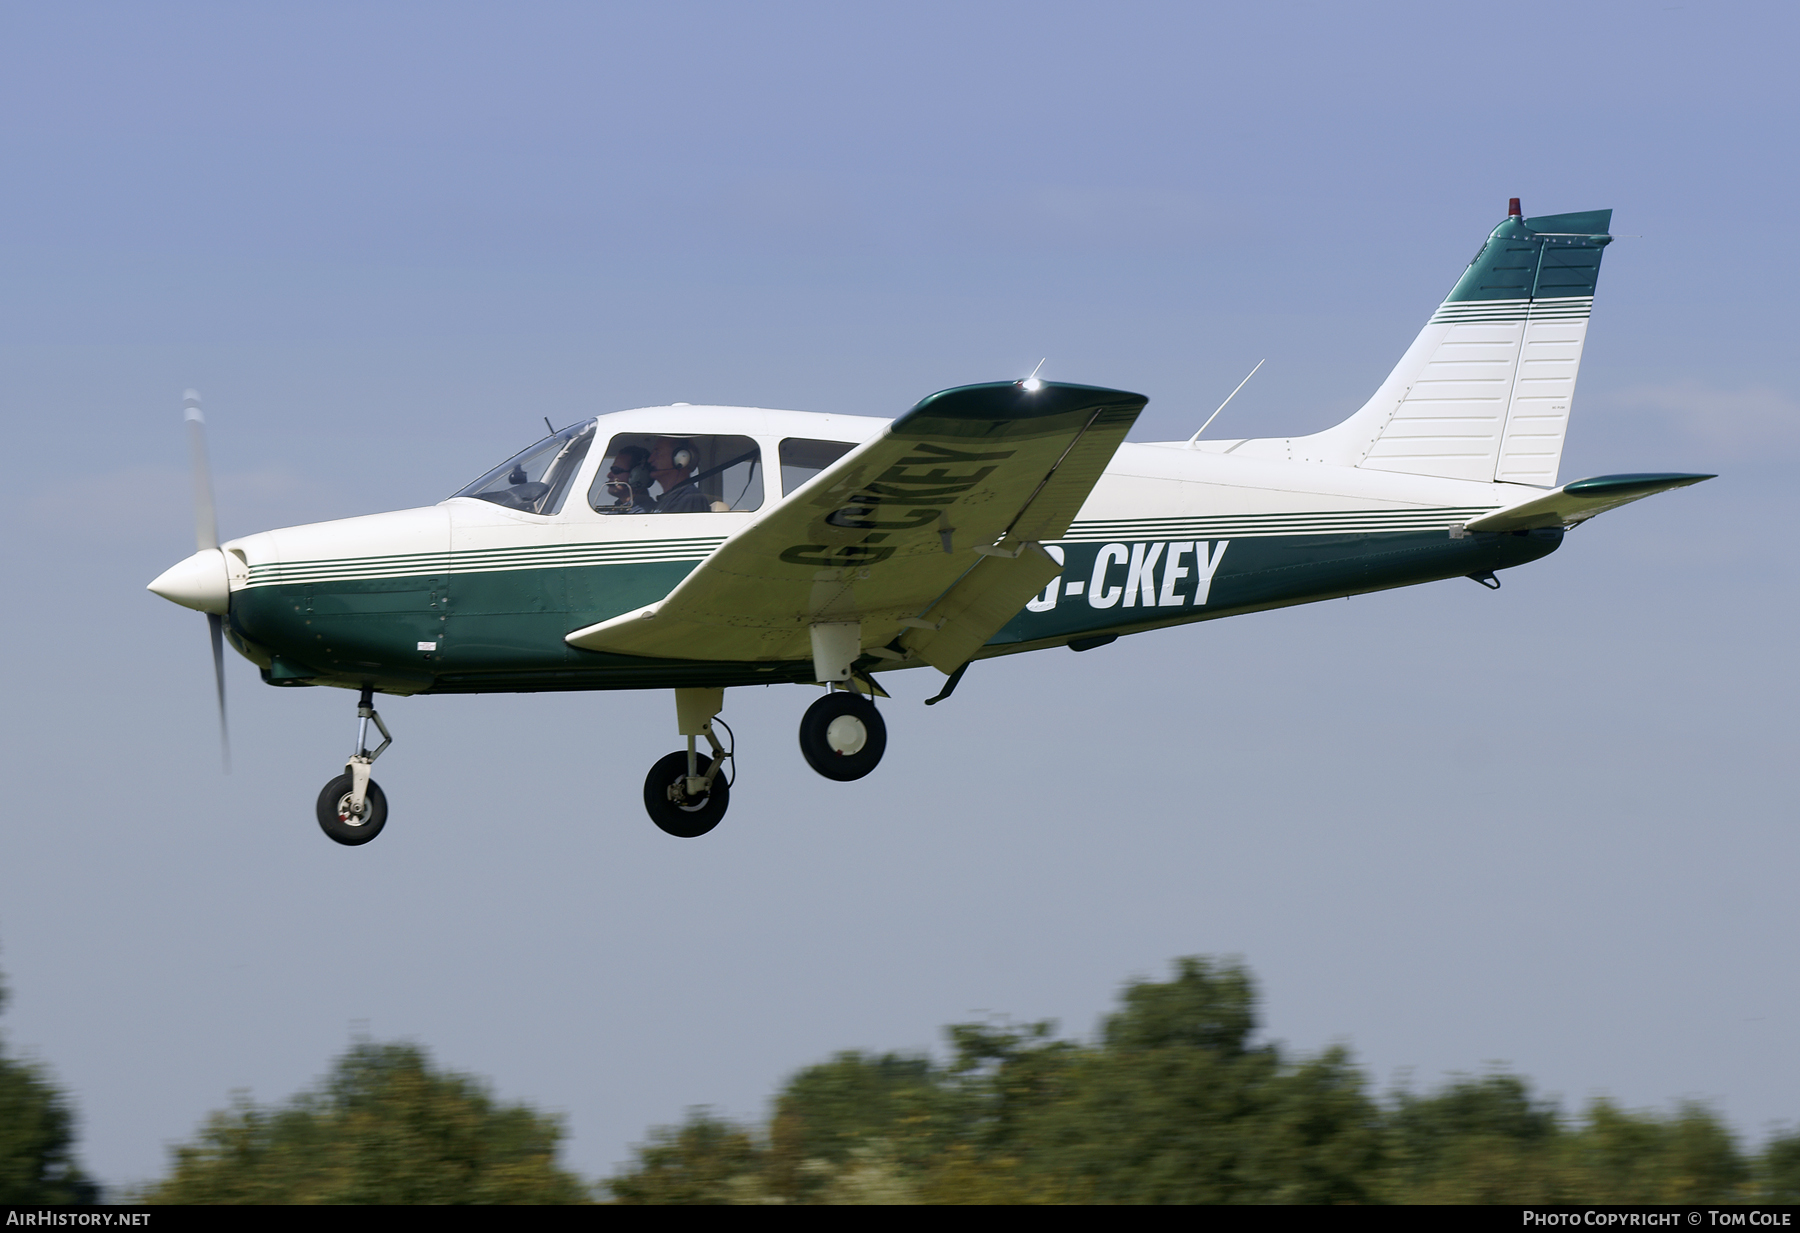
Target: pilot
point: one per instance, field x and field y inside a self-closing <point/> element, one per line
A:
<point x="672" y="463"/>
<point x="628" y="482"/>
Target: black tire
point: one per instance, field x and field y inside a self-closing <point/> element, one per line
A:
<point x="334" y="810"/>
<point x="692" y="819"/>
<point x="828" y="759"/>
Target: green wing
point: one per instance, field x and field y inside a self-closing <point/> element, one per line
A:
<point x="927" y="535"/>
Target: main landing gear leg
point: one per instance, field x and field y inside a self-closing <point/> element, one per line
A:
<point x="353" y="808"/>
<point x="686" y="794"/>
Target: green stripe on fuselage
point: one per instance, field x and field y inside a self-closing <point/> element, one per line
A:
<point x="503" y="631"/>
<point x="1251" y="574"/>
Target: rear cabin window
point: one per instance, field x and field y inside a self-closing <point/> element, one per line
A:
<point x="801" y="459"/>
<point x="643" y="473"/>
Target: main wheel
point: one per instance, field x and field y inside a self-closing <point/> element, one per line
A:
<point x="336" y="820"/>
<point x="843" y="736"/>
<point x="669" y="806"/>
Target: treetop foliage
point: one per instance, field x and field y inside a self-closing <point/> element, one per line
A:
<point x="37" y="1137"/>
<point x="384" y="1126"/>
<point x="1177" y="1102"/>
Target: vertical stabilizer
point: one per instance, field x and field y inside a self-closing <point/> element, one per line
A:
<point x="1484" y="392"/>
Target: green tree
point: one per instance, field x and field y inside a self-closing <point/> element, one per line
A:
<point x="704" y="1160"/>
<point x="1778" y="1170"/>
<point x="1482" y="1140"/>
<point x="383" y="1127"/>
<point x="37" y="1138"/>
<point x="1179" y="1105"/>
<point x="1623" y="1157"/>
<point x="890" y="1105"/>
<point x="1178" y="1102"/>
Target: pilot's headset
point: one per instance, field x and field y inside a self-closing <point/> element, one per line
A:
<point x="681" y="458"/>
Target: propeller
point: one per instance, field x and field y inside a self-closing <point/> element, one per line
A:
<point x="206" y="537"/>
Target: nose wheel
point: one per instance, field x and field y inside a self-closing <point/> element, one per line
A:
<point x="842" y="736"/>
<point x="342" y="819"/>
<point x="352" y="808"/>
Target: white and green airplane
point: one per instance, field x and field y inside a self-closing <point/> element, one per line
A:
<point x="696" y="548"/>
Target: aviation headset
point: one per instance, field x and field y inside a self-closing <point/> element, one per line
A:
<point x="682" y="458"/>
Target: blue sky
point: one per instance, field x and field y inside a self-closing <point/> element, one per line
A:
<point x="1550" y="827"/>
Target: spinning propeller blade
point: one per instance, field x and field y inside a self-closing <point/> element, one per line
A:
<point x="216" y="625"/>
<point x="206" y="535"/>
<point x="206" y="525"/>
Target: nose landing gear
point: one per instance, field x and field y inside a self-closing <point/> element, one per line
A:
<point x="343" y="820"/>
<point x="352" y="808"/>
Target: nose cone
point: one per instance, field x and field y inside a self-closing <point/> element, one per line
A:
<point x="200" y="583"/>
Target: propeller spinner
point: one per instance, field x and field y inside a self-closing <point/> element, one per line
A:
<point x="202" y="582"/>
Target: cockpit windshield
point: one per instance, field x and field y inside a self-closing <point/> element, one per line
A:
<point x="537" y="481"/>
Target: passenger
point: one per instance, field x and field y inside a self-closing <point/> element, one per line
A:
<point x="672" y="462"/>
<point x="628" y="482"/>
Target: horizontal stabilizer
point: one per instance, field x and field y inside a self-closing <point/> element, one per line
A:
<point x="1581" y="500"/>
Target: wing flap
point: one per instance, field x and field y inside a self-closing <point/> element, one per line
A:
<point x="1581" y="500"/>
<point x="982" y="601"/>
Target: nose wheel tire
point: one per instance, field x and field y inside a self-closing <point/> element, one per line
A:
<point x="672" y="809"/>
<point x="843" y="736"/>
<point x="343" y="826"/>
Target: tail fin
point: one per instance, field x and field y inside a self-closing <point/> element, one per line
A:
<point x="1484" y="391"/>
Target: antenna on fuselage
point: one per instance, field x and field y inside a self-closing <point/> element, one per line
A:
<point x="1215" y="415"/>
<point x="1031" y="384"/>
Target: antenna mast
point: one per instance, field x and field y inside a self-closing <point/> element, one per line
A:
<point x="1215" y="415"/>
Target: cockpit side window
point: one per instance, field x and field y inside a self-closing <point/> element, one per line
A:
<point x="801" y="459"/>
<point x="647" y="473"/>
<point x="537" y="481"/>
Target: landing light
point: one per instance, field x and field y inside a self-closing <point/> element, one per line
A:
<point x="1032" y="385"/>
